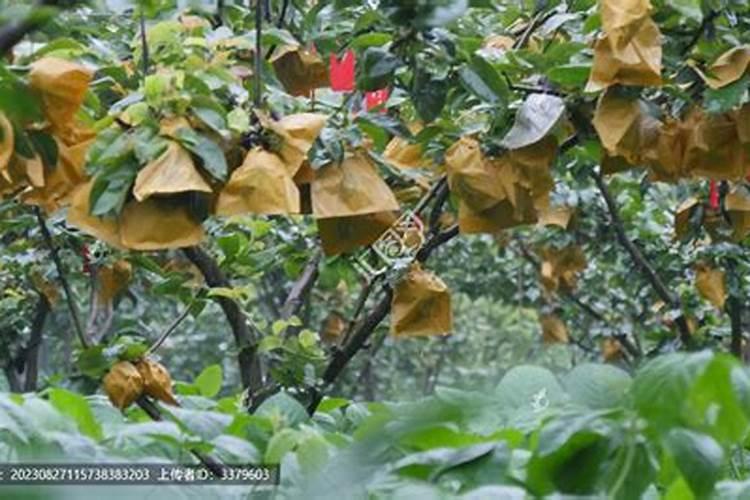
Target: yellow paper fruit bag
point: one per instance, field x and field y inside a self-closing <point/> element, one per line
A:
<point x="351" y="188"/>
<point x="261" y="185"/>
<point x="421" y="305"/>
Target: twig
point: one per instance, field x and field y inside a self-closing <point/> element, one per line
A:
<point x="539" y="19"/>
<point x="342" y="357"/>
<point x="301" y="288"/>
<point x="212" y="464"/>
<point x="640" y="260"/>
<point x="144" y="44"/>
<point x="31" y="352"/>
<point x="282" y="14"/>
<point x="171" y="328"/>
<point x="707" y="20"/>
<point x="734" y="309"/>
<point x="14" y="32"/>
<point x="70" y="300"/>
<point x="363" y="331"/>
<point x="247" y="343"/>
<point x="258" y="53"/>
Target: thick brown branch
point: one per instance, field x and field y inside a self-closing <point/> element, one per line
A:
<point x="154" y="413"/>
<point x="69" y="299"/>
<point x="358" y="338"/>
<point x="734" y="309"/>
<point x="301" y="288"/>
<point x="364" y="330"/>
<point x="640" y="260"/>
<point x="14" y="32"/>
<point x="31" y="352"/>
<point x="247" y="343"/>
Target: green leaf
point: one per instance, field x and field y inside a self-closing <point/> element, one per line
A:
<point x="428" y="95"/>
<point x="570" y="75"/>
<point x="699" y="458"/>
<point x="537" y="117"/>
<point x="211" y="156"/>
<point x="371" y="40"/>
<point x="284" y="407"/>
<point x="77" y="407"/>
<point x="484" y="81"/>
<point x="238" y="120"/>
<point x="728" y="97"/>
<point x="45" y="146"/>
<point x="723" y="392"/>
<point x="206" y="424"/>
<point x="232" y="449"/>
<point x="92" y="362"/>
<point x="660" y="389"/>
<point x="525" y="386"/>
<point x="688" y="8"/>
<point x="209" y="381"/>
<point x="376" y="68"/>
<point x="211" y="117"/>
<point x="597" y="386"/>
<point x="570" y="455"/>
<point x="280" y="444"/>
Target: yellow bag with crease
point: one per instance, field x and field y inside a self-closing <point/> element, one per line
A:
<point x="421" y="305"/>
<point x="172" y="172"/>
<point x="351" y="188"/>
<point x="472" y="178"/>
<point x="261" y="185"/>
<point x="346" y="234"/>
<point x="299" y="70"/>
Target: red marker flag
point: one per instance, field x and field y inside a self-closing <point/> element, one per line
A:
<point x="713" y="196"/>
<point x="376" y="98"/>
<point x="342" y="72"/>
<point x="86" y="259"/>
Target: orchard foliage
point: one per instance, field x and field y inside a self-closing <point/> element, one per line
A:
<point x="188" y="184"/>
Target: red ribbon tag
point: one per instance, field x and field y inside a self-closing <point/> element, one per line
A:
<point x="376" y="98"/>
<point x="713" y="196"/>
<point x="342" y="72"/>
<point x="86" y="259"/>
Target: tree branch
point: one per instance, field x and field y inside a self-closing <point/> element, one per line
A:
<point x="14" y="32"/>
<point x="640" y="260"/>
<point x="247" y="343"/>
<point x="734" y="309"/>
<point x="363" y="331"/>
<point x="258" y="53"/>
<point x="301" y="288"/>
<point x="212" y="464"/>
<point x="31" y="352"/>
<point x="171" y="328"/>
<point x="70" y="300"/>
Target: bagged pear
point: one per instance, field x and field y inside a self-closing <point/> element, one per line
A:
<point x="476" y="181"/>
<point x="421" y="305"/>
<point x="341" y="235"/>
<point x="261" y="185"/>
<point x="554" y="330"/>
<point x="123" y="384"/>
<point x="353" y="187"/>
<point x="300" y="70"/>
<point x="156" y="381"/>
<point x="629" y="52"/>
<point x="171" y="173"/>
<point x="62" y="86"/>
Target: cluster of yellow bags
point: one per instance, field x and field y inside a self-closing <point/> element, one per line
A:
<point x="61" y="87"/>
<point x="714" y="146"/>
<point x="501" y="192"/>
